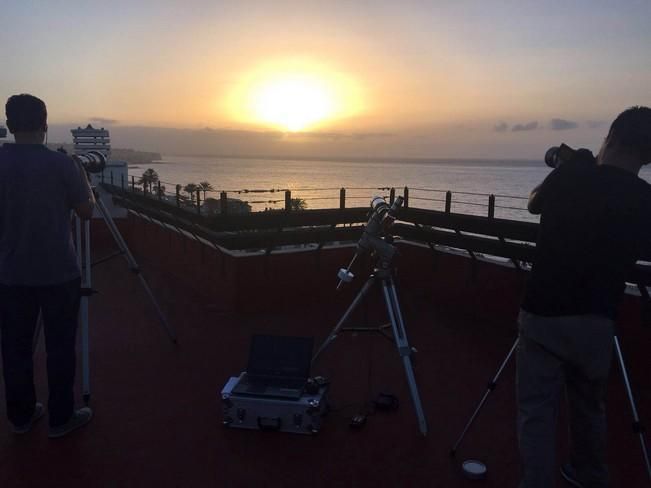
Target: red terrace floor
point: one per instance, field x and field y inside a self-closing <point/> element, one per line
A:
<point x="157" y="415"/>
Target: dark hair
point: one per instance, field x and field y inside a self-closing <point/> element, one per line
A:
<point x="25" y="113"/>
<point x="631" y="130"/>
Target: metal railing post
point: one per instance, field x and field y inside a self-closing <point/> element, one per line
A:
<point x="448" y="201"/>
<point x="133" y="183"/>
<point x="178" y="196"/>
<point x="198" y="202"/>
<point x="288" y="200"/>
<point x="342" y="198"/>
<point x="491" y="206"/>
<point x="160" y="193"/>
<point x="392" y="196"/>
<point x="406" y="197"/>
<point x="223" y="199"/>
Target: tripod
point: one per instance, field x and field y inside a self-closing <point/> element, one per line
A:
<point x="83" y="259"/>
<point x="637" y="426"/>
<point x="383" y="275"/>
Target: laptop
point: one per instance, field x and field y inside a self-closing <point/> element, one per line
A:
<point x="278" y="367"/>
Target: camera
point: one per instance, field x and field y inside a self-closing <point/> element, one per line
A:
<point x="3" y="132"/>
<point x="558" y="155"/>
<point x="375" y="237"/>
<point x="382" y="216"/>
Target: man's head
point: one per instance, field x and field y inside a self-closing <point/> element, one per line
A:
<point x="630" y="135"/>
<point x="26" y="117"/>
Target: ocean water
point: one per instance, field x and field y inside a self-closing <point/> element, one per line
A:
<point x="318" y="182"/>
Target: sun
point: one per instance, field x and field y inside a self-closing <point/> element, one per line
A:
<point x="294" y="95"/>
<point x="293" y="102"/>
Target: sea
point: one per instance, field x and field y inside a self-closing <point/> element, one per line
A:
<point x="262" y="182"/>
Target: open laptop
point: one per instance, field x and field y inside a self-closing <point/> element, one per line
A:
<point x="278" y="367"/>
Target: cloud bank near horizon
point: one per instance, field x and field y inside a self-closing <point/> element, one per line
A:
<point x="482" y="141"/>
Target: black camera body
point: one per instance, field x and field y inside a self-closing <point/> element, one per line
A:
<point x="558" y="155"/>
<point x="376" y="237"/>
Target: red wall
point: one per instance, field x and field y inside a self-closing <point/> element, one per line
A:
<point x="279" y="281"/>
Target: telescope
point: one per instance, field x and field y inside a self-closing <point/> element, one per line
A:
<point x="557" y="155"/>
<point x="381" y="218"/>
<point x="92" y="161"/>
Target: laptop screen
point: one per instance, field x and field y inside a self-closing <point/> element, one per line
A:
<point x="280" y="356"/>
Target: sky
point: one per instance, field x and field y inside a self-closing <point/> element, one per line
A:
<point x="498" y="79"/>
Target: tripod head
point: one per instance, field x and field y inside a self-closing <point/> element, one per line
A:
<point x="375" y="238"/>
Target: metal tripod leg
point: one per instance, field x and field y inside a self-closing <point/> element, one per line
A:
<point x="133" y="266"/>
<point x="400" y="334"/>
<point x="83" y="309"/>
<point x="637" y="426"/>
<point x="491" y="387"/>
<point x="351" y="308"/>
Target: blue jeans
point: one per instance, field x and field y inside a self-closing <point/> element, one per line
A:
<point x="19" y="308"/>
<point x="554" y="352"/>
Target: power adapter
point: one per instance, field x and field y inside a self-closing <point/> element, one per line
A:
<point x="386" y="402"/>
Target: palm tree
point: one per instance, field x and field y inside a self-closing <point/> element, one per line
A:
<point x="298" y="204"/>
<point x="148" y="178"/>
<point x="205" y="186"/>
<point x="190" y="188"/>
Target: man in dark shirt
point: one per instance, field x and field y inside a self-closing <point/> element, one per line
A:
<point x="38" y="267"/>
<point x="594" y="227"/>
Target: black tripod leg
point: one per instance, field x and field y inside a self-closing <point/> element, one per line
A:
<point x="393" y="308"/>
<point x="133" y="266"/>
<point x="491" y="387"/>
<point x="37" y="331"/>
<point x="637" y="426"/>
<point x="351" y="308"/>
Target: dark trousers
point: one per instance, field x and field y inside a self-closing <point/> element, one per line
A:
<point x="19" y="308"/>
<point x="556" y="353"/>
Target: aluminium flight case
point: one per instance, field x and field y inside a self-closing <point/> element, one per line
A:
<point x="302" y="416"/>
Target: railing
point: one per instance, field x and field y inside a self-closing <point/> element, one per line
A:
<point x="475" y="234"/>
<point x="224" y="201"/>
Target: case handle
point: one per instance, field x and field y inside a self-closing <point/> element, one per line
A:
<point x="269" y="423"/>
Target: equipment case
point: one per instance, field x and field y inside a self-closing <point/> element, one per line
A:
<point x="301" y="416"/>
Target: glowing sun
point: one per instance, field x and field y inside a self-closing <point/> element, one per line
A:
<point x="295" y="96"/>
<point x="293" y="102"/>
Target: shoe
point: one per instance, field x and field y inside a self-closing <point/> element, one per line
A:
<point x="38" y="413"/>
<point x="568" y="473"/>
<point x="79" y="418"/>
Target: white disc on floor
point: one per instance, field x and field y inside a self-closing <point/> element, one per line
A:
<point x="473" y="469"/>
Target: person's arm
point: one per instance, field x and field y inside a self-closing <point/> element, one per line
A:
<point x="535" y="200"/>
<point x="541" y="193"/>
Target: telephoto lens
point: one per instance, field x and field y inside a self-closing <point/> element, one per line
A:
<point x="551" y="157"/>
<point x="92" y="161"/>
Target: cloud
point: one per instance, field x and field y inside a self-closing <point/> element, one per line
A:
<point x="501" y="127"/>
<point x="102" y="120"/>
<point x="595" y="124"/>
<point x="524" y="127"/>
<point x="562" y="124"/>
